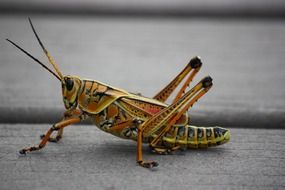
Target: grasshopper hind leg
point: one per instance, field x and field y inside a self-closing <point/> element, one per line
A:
<point x="164" y="120"/>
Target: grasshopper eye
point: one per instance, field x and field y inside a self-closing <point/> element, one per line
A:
<point x="69" y="84"/>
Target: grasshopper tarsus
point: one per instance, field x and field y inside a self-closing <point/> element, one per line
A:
<point x="148" y="164"/>
<point x="22" y="152"/>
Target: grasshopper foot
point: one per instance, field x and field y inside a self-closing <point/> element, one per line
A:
<point x="30" y="149"/>
<point x="149" y="164"/>
<point x="22" y="152"/>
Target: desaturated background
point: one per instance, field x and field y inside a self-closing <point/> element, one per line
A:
<point x="140" y="46"/>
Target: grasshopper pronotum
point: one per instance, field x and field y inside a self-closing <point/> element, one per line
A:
<point x="165" y="127"/>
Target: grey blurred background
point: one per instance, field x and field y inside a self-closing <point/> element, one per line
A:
<point x="140" y="46"/>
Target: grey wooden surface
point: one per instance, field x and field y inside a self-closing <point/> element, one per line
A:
<point x="88" y="158"/>
<point x="244" y="57"/>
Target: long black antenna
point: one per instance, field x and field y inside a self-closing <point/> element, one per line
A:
<point x="35" y="59"/>
<point x="51" y="60"/>
<point x="39" y="40"/>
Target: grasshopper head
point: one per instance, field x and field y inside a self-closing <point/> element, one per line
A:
<point x="70" y="87"/>
<point x="70" y="84"/>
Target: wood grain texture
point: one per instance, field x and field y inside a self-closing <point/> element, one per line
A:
<point x="88" y="158"/>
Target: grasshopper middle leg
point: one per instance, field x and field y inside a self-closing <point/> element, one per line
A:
<point x="59" y="134"/>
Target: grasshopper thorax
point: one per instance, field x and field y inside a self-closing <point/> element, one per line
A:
<point x="70" y="87"/>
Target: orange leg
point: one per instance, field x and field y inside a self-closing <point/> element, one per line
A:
<point x="59" y="134"/>
<point x="194" y="65"/>
<point x="140" y="161"/>
<point x="154" y="142"/>
<point x="167" y="117"/>
<point x="55" y="127"/>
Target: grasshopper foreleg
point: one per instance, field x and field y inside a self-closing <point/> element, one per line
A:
<point x="56" y="127"/>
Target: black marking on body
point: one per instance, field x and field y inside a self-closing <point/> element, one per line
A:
<point x="97" y="96"/>
<point x="180" y="132"/>
<point x="130" y="132"/>
<point x="190" y="133"/>
<point x="106" y="124"/>
<point x="208" y="133"/>
<point x="200" y="133"/>
<point x="88" y="91"/>
<point x="84" y="86"/>
<point x="217" y="132"/>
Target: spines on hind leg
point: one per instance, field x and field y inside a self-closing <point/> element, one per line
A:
<point x="203" y="137"/>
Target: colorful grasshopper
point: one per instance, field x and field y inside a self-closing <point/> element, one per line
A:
<point x="131" y="116"/>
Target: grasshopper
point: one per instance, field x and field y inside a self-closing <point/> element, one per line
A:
<point x="164" y="127"/>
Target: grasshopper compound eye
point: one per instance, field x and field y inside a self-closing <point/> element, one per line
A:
<point x="69" y="84"/>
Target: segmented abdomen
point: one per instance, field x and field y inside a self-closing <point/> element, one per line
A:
<point x="196" y="137"/>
